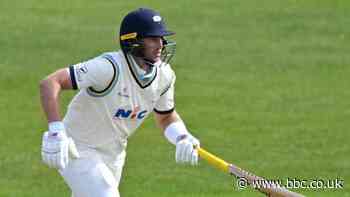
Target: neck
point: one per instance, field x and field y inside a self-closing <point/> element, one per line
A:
<point x="141" y="63"/>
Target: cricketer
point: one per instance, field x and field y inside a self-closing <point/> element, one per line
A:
<point x="117" y="91"/>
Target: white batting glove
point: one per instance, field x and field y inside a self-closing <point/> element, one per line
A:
<point x="56" y="146"/>
<point x="186" y="151"/>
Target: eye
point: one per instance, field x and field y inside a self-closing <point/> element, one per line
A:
<point x="156" y="39"/>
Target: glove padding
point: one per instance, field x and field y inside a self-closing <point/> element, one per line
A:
<point x="55" y="149"/>
<point x="186" y="151"/>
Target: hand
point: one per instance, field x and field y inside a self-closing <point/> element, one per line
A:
<point x="186" y="151"/>
<point x="55" y="149"/>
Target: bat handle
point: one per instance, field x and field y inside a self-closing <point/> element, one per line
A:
<point x="213" y="160"/>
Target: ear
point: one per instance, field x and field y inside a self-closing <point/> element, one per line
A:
<point x="165" y="42"/>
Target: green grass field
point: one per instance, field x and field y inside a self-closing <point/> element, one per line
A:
<point x="263" y="84"/>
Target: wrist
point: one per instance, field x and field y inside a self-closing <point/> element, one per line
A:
<point x="175" y="132"/>
<point x="56" y="126"/>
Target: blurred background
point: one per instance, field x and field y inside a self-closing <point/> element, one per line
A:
<point x="262" y="84"/>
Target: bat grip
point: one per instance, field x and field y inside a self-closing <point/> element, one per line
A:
<point x="213" y="160"/>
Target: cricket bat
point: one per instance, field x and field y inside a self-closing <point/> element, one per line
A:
<point x="270" y="189"/>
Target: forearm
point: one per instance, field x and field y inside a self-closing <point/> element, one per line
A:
<point x="163" y="121"/>
<point x="175" y="132"/>
<point x="173" y="126"/>
<point x="49" y="94"/>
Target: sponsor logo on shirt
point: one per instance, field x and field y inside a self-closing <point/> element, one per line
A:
<point x="133" y="114"/>
<point x="83" y="69"/>
<point x="80" y="71"/>
<point x="124" y="93"/>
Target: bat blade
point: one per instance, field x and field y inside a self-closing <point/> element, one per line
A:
<point x="269" y="188"/>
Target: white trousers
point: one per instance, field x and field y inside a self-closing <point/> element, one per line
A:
<point x="96" y="173"/>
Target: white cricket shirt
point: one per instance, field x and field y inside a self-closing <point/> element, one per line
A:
<point x="111" y="104"/>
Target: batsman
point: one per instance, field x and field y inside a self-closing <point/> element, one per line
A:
<point x="117" y="91"/>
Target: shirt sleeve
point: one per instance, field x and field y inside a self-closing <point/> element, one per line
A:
<point x="96" y="73"/>
<point x="166" y="103"/>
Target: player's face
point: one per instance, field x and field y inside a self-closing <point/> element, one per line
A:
<point x="153" y="48"/>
